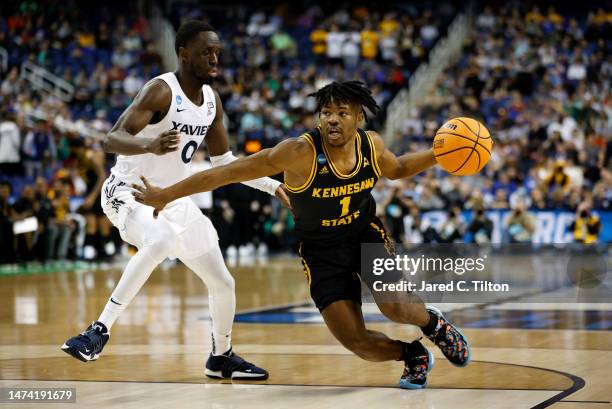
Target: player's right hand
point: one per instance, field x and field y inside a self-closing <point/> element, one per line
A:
<point x="166" y="142"/>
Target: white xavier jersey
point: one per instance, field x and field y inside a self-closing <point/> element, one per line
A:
<point x="191" y="120"/>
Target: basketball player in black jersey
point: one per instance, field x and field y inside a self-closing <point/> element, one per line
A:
<point x="329" y="174"/>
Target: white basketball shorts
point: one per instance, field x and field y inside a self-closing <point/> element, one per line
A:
<point x="193" y="233"/>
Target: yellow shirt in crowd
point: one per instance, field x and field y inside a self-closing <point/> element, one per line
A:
<point x="369" y="44"/>
<point x="319" y="41"/>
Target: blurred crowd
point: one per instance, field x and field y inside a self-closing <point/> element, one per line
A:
<point x="274" y="58"/>
<point x="538" y="77"/>
<point x="540" y="80"/>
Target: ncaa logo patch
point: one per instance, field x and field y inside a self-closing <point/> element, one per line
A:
<point x="179" y="100"/>
<point x="321" y="159"/>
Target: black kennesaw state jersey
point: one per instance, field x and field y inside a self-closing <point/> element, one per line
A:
<point x="331" y="206"/>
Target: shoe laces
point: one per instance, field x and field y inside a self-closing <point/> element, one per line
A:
<point x="92" y="336"/>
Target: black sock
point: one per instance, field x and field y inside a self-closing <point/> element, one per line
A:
<point x="429" y="329"/>
<point x="409" y="350"/>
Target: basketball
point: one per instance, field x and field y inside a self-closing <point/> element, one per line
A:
<point x="463" y="146"/>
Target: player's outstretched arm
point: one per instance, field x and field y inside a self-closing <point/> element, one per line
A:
<point x="287" y="156"/>
<point x="153" y="99"/>
<point x="217" y="142"/>
<point x="406" y="165"/>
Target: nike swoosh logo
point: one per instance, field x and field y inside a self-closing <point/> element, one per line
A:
<point x="86" y="350"/>
<point x="181" y="110"/>
<point x="88" y="357"/>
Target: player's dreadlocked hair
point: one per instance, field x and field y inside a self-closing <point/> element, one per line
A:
<point x="351" y="92"/>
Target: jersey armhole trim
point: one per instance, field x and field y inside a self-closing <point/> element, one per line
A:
<point x="162" y="119"/>
<point x="313" y="168"/>
<point x="373" y="154"/>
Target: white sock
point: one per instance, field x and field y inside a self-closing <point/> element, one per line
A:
<point x="111" y="312"/>
<point x="136" y="273"/>
<point x="210" y="267"/>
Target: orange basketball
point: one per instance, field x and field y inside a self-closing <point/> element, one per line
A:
<point x="463" y="146"/>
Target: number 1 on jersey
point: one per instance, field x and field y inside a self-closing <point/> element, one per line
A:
<point x="345" y="205"/>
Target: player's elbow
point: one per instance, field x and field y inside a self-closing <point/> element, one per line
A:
<point x="106" y="143"/>
<point x="395" y="173"/>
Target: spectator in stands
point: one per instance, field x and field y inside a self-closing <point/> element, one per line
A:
<point x="7" y="249"/>
<point x="284" y="45"/>
<point x="501" y="200"/>
<point x="481" y="227"/>
<point x="335" y="40"/>
<point x="586" y="226"/>
<point x="38" y="148"/>
<point x="602" y="196"/>
<point x="538" y="200"/>
<point x="413" y="229"/>
<point x="450" y="231"/>
<point x="520" y="224"/>
<point x="476" y="200"/>
<point x="395" y="209"/>
<point x="10" y="144"/>
<point x="351" y="50"/>
<point x="558" y="179"/>
<point x="24" y="208"/>
<point x="318" y="37"/>
<point x="61" y="228"/>
<point x="428" y="199"/>
<point x="369" y="42"/>
<point x="88" y="170"/>
<point x="10" y="84"/>
<point x="43" y="211"/>
<point x="122" y="58"/>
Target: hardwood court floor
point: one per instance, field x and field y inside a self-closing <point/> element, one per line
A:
<point x="158" y="347"/>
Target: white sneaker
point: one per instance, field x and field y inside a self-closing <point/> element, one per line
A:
<point x="232" y="252"/>
<point x="89" y="252"/>
<point x="262" y="250"/>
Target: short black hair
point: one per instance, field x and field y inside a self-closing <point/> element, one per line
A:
<point x="187" y="32"/>
<point x="349" y="92"/>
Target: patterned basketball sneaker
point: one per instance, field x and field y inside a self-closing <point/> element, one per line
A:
<point x="231" y="366"/>
<point x="417" y="367"/>
<point x="450" y="340"/>
<point x="88" y="345"/>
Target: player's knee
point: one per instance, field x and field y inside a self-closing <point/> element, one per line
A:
<point x="218" y="280"/>
<point x="226" y="283"/>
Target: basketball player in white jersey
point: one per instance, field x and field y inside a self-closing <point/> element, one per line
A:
<point x="157" y="136"/>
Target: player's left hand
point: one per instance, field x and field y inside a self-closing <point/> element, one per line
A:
<point x="282" y="196"/>
<point x="149" y="195"/>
